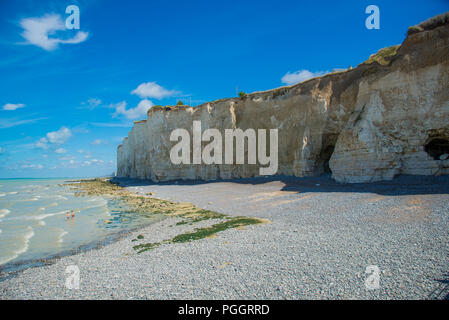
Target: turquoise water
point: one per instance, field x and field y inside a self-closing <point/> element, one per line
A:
<point x="33" y="222"/>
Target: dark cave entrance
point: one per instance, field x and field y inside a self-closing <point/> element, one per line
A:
<point x="437" y="147"/>
<point x="327" y="149"/>
<point x="325" y="156"/>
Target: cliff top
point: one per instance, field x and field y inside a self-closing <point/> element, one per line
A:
<point x="430" y="24"/>
<point x="381" y="59"/>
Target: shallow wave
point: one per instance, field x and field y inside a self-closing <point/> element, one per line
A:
<point x="26" y="240"/>
<point x="2" y="194"/>
<point x="4" y="213"/>
<point x="30" y="186"/>
<point x="46" y="215"/>
<point x="61" y="236"/>
<point x="33" y="199"/>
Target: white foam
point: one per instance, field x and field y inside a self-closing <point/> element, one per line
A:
<point x="26" y="240"/>
<point x="61" y="236"/>
<point x="26" y="200"/>
<point x="13" y="192"/>
<point x="44" y="216"/>
<point x="30" y="186"/>
<point x="4" y="213"/>
<point x="2" y="194"/>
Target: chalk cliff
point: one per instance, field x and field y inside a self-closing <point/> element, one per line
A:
<point x="388" y="116"/>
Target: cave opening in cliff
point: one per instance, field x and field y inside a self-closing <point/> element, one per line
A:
<point x="437" y="147"/>
<point x="325" y="156"/>
<point x="327" y="149"/>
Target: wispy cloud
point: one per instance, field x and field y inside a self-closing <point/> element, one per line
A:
<point x="134" y="113"/>
<point x="13" y="106"/>
<point x="32" y="166"/>
<point x="42" y="143"/>
<point x="91" y="103"/>
<point x="13" y="122"/>
<point x="153" y="90"/>
<point x="37" y="30"/>
<point x="61" y="150"/>
<point x="97" y="142"/>
<point x="111" y="125"/>
<point x="300" y="76"/>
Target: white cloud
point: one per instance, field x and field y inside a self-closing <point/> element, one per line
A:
<point x="134" y="113"/>
<point x="37" y="30"/>
<point x="59" y="136"/>
<point x="56" y="137"/>
<point x="98" y="142"/>
<point x="153" y="90"/>
<point x="13" y="106"/>
<point x="300" y="76"/>
<point x="66" y="158"/>
<point x="91" y="103"/>
<point x="42" y="143"/>
<point x="112" y="125"/>
<point x="60" y="150"/>
<point x="94" y="102"/>
<point x="32" y="166"/>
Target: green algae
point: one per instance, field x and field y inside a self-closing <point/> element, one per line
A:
<point x="146" y="205"/>
<point x="201" y="233"/>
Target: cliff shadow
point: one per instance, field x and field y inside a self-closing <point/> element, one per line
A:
<point x="442" y="292"/>
<point x="399" y="186"/>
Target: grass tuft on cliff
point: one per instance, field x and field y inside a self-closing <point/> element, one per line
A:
<point x="430" y="24"/>
<point x="383" y="56"/>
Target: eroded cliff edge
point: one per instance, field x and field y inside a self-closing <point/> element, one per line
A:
<point x="388" y="116"/>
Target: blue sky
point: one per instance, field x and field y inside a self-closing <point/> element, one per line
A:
<point x="68" y="97"/>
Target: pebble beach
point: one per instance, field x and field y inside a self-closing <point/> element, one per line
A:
<point x="316" y="242"/>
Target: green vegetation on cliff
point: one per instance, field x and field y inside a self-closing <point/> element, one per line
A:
<point x="383" y="56"/>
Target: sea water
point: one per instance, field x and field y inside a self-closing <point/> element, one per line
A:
<point x="33" y="222"/>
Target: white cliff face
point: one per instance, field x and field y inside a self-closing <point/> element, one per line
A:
<point x="395" y="116"/>
<point x="366" y="124"/>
